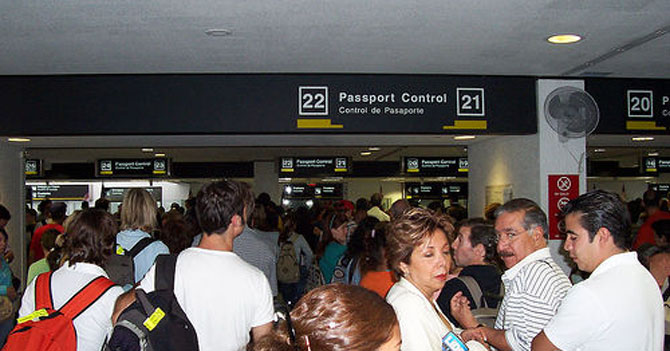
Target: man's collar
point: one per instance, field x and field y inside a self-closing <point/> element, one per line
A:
<point x="535" y="256"/>
<point x="613" y="261"/>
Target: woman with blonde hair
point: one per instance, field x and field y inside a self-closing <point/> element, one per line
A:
<point x="418" y="251"/>
<point x="138" y="220"/>
<point x="336" y="317"/>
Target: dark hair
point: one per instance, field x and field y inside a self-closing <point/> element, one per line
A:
<point x="376" y="199"/>
<point x="57" y="211"/>
<point x="398" y="208"/>
<point x="362" y="204"/>
<point x="175" y="234"/>
<point x="48" y="240"/>
<point x="218" y="202"/>
<point x="650" y="198"/>
<point x="602" y="209"/>
<point x="333" y="220"/>
<point x="481" y="232"/>
<point x="101" y="204"/>
<point x="4" y="213"/>
<point x="662" y="229"/>
<point x="357" y="243"/>
<point x="372" y="256"/>
<point x="334" y="317"/>
<point x="43" y="205"/>
<point x="533" y="215"/>
<point x="90" y="237"/>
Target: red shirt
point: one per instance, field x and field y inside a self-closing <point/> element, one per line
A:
<point x="35" y="242"/>
<point x="379" y="282"/>
<point x="646" y="234"/>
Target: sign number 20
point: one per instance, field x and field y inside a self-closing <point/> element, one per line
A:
<point x="640" y="103"/>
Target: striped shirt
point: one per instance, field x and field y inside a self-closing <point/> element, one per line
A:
<point x="534" y="289"/>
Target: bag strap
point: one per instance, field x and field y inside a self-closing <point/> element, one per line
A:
<point x="165" y="271"/>
<point x="475" y="290"/>
<point x="43" y="298"/>
<point x="143" y="243"/>
<point x="86" y="297"/>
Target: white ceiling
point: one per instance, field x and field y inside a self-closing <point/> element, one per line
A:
<point x="489" y="37"/>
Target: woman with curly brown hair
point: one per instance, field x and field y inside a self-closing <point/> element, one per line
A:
<point x="336" y="317"/>
<point x="418" y="251"/>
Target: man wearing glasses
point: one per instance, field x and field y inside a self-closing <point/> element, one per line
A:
<point x="534" y="283"/>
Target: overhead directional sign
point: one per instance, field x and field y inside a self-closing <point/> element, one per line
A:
<point x="656" y="165"/>
<point x="314" y="166"/>
<point x="117" y="194"/>
<point x="267" y="104"/>
<point x="436" y="166"/>
<point x="33" y="168"/>
<point x="59" y="192"/>
<point x="145" y="168"/>
<point x="435" y="190"/>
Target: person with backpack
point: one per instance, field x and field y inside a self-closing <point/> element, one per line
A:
<point x="348" y="267"/>
<point x="138" y="219"/>
<point x="70" y="309"/>
<point x="293" y="261"/>
<point x="226" y="299"/>
<point x="474" y="250"/>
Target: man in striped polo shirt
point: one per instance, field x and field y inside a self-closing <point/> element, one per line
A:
<point x="534" y="284"/>
<point x="619" y="307"/>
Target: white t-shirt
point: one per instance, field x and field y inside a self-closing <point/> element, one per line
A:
<point x="618" y="308"/>
<point x="223" y="297"/>
<point x="94" y="325"/>
<point x="421" y="328"/>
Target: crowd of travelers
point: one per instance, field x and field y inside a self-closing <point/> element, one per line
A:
<point x="230" y="271"/>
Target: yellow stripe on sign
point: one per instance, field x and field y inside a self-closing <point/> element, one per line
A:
<point x="461" y="124"/>
<point x="643" y="125"/>
<point x="317" y="124"/>
<point x="412" y="170"/>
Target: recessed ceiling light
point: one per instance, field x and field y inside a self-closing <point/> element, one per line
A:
<point x="218" y="32"/>
<point x="18" y="140"/>
<point x="652" y="154"/>
<point x="366" y="153"/>
<point x="464" y="137"/>
<point x="642" y="138"/>
<point x="564" y="38"/>
<point x="160" y="155"/>
<point x="147" y="149"/>
<point x="599" y="150"/>
<point x="374" y="148"/>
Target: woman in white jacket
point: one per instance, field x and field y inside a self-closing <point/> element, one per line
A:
<point x="418" y="250"/>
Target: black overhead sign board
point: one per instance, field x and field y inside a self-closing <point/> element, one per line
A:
<point x="33" y="168"/>
<point x="267" y="103"/>
<point x="435" y="190"/>
<point x="117" y="194"/>
<point x="436" y="166"/>
<point x="59" y="192"/>
<point x="144" y="168"/>
<point x="314" y="166"/>
<point x="631" y="106"/>
<point x="656" y="165"/>
<point x="309" y="191"/>
<point x="662" y="189"/>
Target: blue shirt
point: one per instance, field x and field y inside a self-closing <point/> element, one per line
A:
<point x="331" y="255"/>
<point x="5" y="277"/>
<point x="145" y="259"/>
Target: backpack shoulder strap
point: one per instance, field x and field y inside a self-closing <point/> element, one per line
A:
<point x="43" y="298"/>
<point x="144" y="242"/>
<point x="86" y="297"/>
<point x="474" y="289"/>
<point x="165" y="269"/>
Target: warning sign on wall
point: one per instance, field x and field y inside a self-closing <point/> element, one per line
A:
<point x="562" y="188"/>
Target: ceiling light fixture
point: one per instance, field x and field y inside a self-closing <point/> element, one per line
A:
<point x="652" y="154"/>
<point x="564" y="38"/>
<point x="147" y="149"/>
<point x="160" y="155"/>
<point x="642" y="138"/>
<point x="218" y="32"/>
<point x="18" y="140"/>
<point x="374" y="148"/>
<point x="599" y="150"/>
<point x="464" y="137"/>
<point x="366" y="153"/>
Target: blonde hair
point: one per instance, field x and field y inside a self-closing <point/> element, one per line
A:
<point x="409" y="231"/>
<point x="138" y="211"/>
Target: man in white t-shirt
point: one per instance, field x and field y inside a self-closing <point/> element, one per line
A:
<point x="619" y="307"/>
<point x="224" y="297"/>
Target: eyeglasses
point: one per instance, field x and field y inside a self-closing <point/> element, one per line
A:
<point x="509" y="235"/>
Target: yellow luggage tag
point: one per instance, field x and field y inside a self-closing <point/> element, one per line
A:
<point x="154" y="319"/>
<point x="119" y="250"/>
<point x="37" y="314"/>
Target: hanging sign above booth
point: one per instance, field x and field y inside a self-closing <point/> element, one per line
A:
<point x="434" y="190"/>
<point x="314" y="166"/>
<point x="33" y="168"/>
<point x="141" y="168"/>
<point x="631" y="106"/>
<point x="308" y="191"/>
<point x="59" y="192"/>
<point x="653" y="165"/>
<point x="436" y="166"/>
<point x="267" y="103"/>
<point x="117" y="194"/>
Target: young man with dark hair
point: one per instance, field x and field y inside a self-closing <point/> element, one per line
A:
<point x="619" y="307"/>
<point x="474" y="249"/>
<point x="225" y="298"/>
